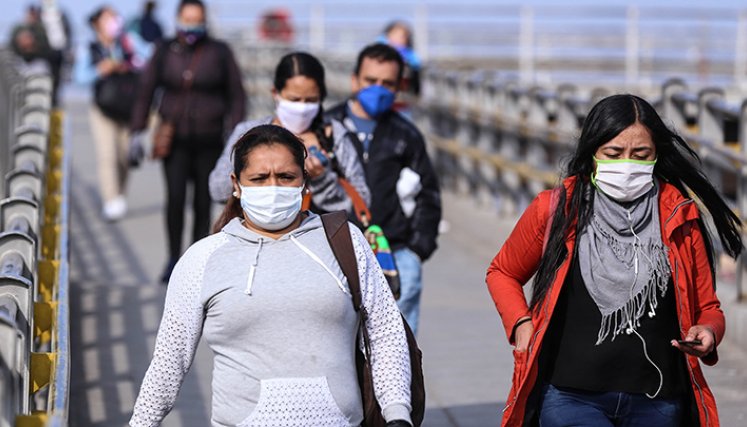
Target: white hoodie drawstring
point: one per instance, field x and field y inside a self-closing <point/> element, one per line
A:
<point x="313" y="256"/>
<point x="253" y="269"/>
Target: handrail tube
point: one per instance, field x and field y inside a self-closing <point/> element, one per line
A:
<point x="60" y="386"/>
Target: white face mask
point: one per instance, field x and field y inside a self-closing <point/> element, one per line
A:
<point x="624" y="180"/>
<point x="296" y="116"/>
<point x="271" y="208"/>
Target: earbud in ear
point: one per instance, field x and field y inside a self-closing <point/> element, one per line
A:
<point x="236" y="194"/>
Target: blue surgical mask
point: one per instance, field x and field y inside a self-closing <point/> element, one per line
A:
<point x="376" y="100"/>
<point x="191" y="34"/>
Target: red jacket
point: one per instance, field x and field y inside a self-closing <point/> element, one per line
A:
<point x="518" y="259"/>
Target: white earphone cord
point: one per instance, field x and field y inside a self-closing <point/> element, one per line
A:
<point x="631" y="329"/>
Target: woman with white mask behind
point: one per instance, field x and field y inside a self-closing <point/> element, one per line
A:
<point x="299" y="90"/>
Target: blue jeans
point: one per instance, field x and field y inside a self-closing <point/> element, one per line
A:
<point x="409" y="267"/>
<point x="569" y="407"/>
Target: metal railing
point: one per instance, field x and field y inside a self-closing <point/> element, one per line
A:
<point x="542" y="43"/>
<point x="34" y="335"/>
<point x="504" y="143"/>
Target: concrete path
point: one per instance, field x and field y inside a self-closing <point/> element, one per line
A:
<point x="117" y="304"/>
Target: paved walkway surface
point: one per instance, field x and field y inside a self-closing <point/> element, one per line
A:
<point x="117" y="303"/>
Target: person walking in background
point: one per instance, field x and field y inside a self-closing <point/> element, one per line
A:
<point x="147" y="25"/>
<point x="44" y="37"/>
<point x="112" y="63"/>
<point x="623" y="303"/>
<point x="28" y="39"/>
<point x="391" y="148"/>
<point x="203" y="97"/>
<point x="299" y="91"/>
<point x="60" y="37"/>
<point x="399" y="35"/>
<point x="270" y="298"/>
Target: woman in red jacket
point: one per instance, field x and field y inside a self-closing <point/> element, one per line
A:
<point x="623" y="301"/>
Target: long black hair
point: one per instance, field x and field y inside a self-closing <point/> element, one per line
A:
<point x="256" y="137"/>
<point x="676" y="164"/>
<point x="304" y="64"/>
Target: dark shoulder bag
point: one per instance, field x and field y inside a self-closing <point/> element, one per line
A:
<point x="338" y="234"/>
<point x="116" y="93"/>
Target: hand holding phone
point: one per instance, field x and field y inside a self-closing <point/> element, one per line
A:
<point x="690" y="343"/>
<point x="314" y="151"/>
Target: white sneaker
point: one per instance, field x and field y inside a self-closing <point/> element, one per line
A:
<point x="115" y="209"/>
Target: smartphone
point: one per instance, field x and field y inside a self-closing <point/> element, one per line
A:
<point x="314" y="151"/>
<point x="689" y="343"/>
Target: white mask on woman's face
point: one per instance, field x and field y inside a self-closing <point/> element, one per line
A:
<point x="296" y="116"/>
<point x="624" y="180"/>
<point x="112" y="26"/>
<point x="271" y="207"/>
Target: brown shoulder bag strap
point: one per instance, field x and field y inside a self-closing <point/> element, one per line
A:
<point x="341" y="242"/>
<point x="338" y="233"/>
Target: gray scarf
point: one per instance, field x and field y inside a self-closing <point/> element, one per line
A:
<point x="619" y="236"/>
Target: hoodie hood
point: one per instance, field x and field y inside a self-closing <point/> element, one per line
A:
<point x="237" y="229"/>
<point x="310" y="223"/>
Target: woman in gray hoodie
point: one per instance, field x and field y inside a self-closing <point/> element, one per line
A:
<point x="267" y="293"/>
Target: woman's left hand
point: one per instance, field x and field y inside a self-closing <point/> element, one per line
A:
<point x="698" y="332"/>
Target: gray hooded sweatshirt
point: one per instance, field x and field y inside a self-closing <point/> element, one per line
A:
<point x="279" y="319"/>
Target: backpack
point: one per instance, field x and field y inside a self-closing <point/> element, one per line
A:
<point x="338" y="235"/>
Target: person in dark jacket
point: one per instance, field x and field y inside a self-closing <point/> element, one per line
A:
<point x="203" y="97"/>
<point x="405" y="195"/>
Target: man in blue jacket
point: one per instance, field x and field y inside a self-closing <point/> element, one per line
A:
<point x="392" y="149"/>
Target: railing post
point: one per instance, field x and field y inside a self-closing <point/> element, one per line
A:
<point x="632" y="42"/>
<point x="316" y="28"/>
<point x="710" y="123"/>
<point x="526" y="45"/>
<point x="421" y="31"/>
<point x="740" y="51"/>
<point x="566" y="121"/>
<point x="670" y="109"/>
